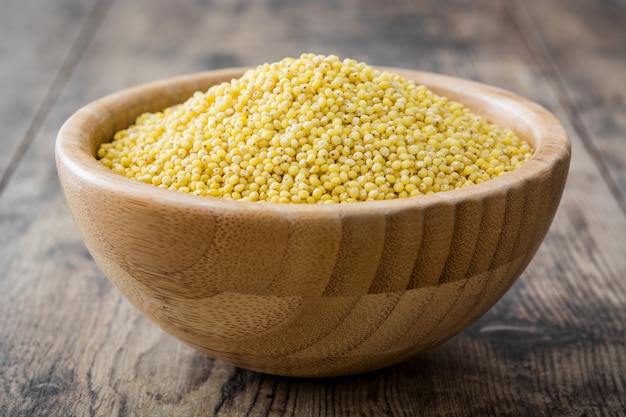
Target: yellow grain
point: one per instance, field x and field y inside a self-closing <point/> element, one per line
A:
<point x="315" y="129"/>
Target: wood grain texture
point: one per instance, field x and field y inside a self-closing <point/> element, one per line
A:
<point x="585" y="48"/>
<point x="211" y="272"/>
<point x="40" y="42"/>
<point x="553" y="346"/>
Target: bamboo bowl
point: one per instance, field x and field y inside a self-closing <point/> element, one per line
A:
<point x="312" y="290"/>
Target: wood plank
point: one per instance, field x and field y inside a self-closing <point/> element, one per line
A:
<point x="39" y="43"/>
<point x="70" y="345"/>
<point x="583" y="44"/>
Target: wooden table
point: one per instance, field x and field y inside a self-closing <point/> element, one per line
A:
<point x="70" y="345"/>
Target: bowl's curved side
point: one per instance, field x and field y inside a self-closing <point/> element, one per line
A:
<point x="312" y="290"/>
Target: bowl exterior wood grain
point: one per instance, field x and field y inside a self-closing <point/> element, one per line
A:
<point x="312" y="290"/>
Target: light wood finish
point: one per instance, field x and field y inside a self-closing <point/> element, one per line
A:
<point x="312" y="290"/>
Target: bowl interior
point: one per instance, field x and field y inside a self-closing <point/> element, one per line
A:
<point x="82" y="135"/>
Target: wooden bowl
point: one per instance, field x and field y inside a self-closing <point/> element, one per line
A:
<point x="312" y="290"/>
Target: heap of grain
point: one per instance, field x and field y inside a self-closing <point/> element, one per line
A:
<point x="315" y="129"/>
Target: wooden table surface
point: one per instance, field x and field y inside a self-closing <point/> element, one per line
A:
<point x="70" y="345"/>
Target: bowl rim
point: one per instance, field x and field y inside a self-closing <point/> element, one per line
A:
<point x="73" y="150"/>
